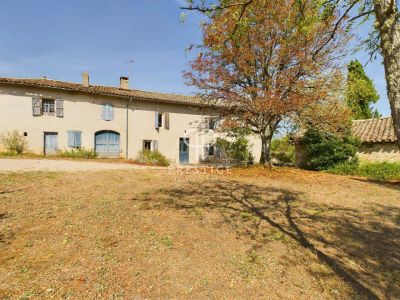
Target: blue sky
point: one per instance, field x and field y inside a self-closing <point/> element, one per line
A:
<point x="61" y="39"/>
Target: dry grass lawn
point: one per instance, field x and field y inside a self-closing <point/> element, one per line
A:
<point x="251" y="234"/>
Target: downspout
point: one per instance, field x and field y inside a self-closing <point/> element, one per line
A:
<point x="127" y="128"/>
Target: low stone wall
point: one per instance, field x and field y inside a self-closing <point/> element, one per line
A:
<point x="379" y="152"/>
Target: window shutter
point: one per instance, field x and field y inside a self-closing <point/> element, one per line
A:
<point x="107" y="113"/>
<point x="166" y="116"/>
<point x="104" y="112"/>
<point x="36" y="106"/>
<point x="71" y="138"/>
<point x="59" y="108"/>
<point x="110" y="112"/>
<point x="156" y="125"/>
<point x="78" y="139"/>
<point x="155" y="145"/>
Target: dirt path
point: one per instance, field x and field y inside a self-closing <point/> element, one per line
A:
<point x="23" y="165"/>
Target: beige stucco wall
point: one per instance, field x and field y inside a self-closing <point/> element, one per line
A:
<point x="379" y="152"/>
<point x="83" y="112"/>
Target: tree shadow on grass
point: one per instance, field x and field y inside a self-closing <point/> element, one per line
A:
<point x="360" y="246"/>
<point x="395" y="185"/>
<point x="3" y="237"/>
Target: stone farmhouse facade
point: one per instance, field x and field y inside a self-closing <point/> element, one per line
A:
<point x="114" y="121"/>
<point x="377" y="138"/>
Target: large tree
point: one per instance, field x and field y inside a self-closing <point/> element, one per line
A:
<point x="385" y="35"/>
<point x="266" y="60"/>
<point x="360" y="92"/>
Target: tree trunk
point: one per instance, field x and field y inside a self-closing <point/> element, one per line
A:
<point x="386" y="13"/>
<point x="265" y="158"/>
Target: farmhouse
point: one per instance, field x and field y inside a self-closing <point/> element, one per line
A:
<point x="115" y="121"/>
<point x="377" y="138"/>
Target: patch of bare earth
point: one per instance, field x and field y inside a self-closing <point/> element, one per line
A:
<point x="248" y="234"/>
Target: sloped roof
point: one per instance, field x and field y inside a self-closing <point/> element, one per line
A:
<point x="102" y="90"/>
<point x="374" y="130"/>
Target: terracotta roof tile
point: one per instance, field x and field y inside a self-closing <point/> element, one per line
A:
<point x="374" y="130"/>
<point x="102" y="90"/>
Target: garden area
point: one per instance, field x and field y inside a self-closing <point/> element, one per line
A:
<point x="285" y="233"/>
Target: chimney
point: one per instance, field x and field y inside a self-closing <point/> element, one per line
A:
<point x="85" y="79"/>
<point x="124" y="83"/>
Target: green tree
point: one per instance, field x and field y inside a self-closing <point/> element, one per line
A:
<point x="360" y="92"/>
<point x="323" y="150"/>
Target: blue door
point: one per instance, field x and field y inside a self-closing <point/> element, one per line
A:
<point x="107" y="144"/>
<point x="50" y="143"/>
<point x="183" y="150"/>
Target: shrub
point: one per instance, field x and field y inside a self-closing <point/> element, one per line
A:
<point x="79" y="153"/>
<point x="324" y="150"/>
<point x="14" y="142"/>
<point x="237" y="149"/>
<point x="373" y="170"/>
<point x="283" y="150"/>
<point x="152" y="158"/>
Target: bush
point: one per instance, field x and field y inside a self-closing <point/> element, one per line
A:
<point x="237" y="149"/>
<point x="152" y="158"/>
<point x="325" y="150"/>
<point x="79" y="153"/>
<point x="372" y="170"/>
<point x="283" y="150"/>
<point x="14" y="142"/>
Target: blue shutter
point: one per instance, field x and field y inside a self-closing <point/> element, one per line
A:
<point x="156" y="125"/>
<point x="104" y="112"/>
<point x="110" y="112"/>
<point x="71" y="138"/>
<point x="155" y="146"/>
<point x="107" y="113"/>
<point x="78" y="139"/>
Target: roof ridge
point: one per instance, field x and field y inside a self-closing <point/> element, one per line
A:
<point x="104" y="89"/>
<point x="379" y="118"/>
<point x="95" y="85"/>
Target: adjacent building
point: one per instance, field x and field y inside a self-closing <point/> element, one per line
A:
<point x="114" y="121"/>
<point x="378" y="139"/>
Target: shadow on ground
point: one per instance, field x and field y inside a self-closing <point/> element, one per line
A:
<point x="359" y="245"/>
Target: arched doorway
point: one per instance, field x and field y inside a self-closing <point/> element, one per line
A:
<point x="107" y="144"/>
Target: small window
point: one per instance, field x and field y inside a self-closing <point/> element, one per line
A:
<point x="48" y="107"/>
<point x="147" y="145"/>
<point x="211" y="123"/>
<point x="159" y="120"/>
<point x="211" y="150"/>
<point x="150" y="145"/>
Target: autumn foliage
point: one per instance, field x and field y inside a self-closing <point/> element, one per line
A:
<point x="266" y="61"/>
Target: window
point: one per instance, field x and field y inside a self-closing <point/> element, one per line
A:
<point x="146" y="145"/>
<point x="107" y="113"/>
<point x="74" y="139"/>
<point x="150" y="145"/>
<point x="210" y="150"/>
<point x="211" y="123"/>
<point x="158" y="120"/>
<point x="48" y="107"/>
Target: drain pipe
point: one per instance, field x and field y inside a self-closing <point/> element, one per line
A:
<point x="127" y="128"/>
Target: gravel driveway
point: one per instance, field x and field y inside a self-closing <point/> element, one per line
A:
<point x="20" y="165"/>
